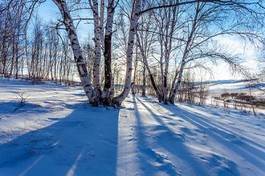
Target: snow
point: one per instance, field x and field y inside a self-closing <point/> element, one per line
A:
<point x="238" y="86"/>
<point x="57" y="133"/>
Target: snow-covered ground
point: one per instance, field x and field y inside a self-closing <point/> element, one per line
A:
<point x="56" y="133"/>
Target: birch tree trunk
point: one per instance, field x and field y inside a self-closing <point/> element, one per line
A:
<point x="78" y="56"/>
<point x="144" y="82"/>
<point x="107" y="94"/>
<point x="135" y="72"/>
<point x="133" y="27"/>
<point x="98" y="31"/>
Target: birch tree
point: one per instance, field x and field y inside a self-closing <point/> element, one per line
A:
<point x="205" y="24"/>
<point x="76" y="48"/>
<point x="103" y="42"/>
<point x="98" y="16"/>
<point x="108" y="84"/>
<point x="136" y="9"/>
<point x="166" y="20"/>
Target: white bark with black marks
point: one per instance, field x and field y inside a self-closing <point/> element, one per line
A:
<point x="129" y="53"/>
<point x="107" y="93"/>
<point x="98" y="30"/>
<point x="79" y="59"/>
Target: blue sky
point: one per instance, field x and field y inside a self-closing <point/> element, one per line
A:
<point x="48" y="11"/>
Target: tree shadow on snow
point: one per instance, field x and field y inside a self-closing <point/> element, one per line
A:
<point x="165" y="139"/>
<point x="172" y="143"/>
<point x="230" y="141"/>
<point x="235" y="144"/>
<point x="83" y="143"/>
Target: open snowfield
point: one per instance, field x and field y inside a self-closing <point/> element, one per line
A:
<point x="56" y="133"/>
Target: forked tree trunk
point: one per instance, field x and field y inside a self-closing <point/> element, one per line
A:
<point x="133" y="27"/>
<point x="79" y="59"/>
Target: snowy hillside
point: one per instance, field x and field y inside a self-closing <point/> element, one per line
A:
<point x="56" y="133"/>
<point x="222" y="86"/>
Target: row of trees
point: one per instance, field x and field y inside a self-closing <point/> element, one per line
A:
<point x="41" y="56"/>
<point x="158" y="40"/>
<point x="14" y="21"/>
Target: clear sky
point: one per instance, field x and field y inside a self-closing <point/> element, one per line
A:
<point x="236" y="46"/>
<point x="49" y="12"/>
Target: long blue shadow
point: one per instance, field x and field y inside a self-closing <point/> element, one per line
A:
<point x="83" y="143"/>
<point x="169" y="141"/>
<point x="244" y="148"/>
